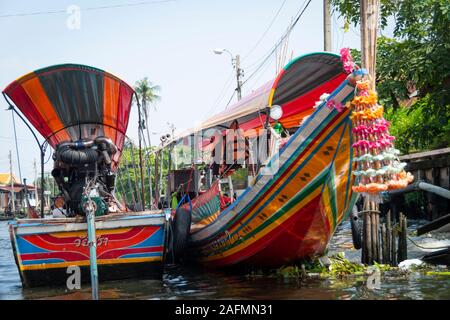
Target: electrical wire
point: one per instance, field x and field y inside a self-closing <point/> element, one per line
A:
<point x="231" y="98"/>
<point x="221" y="94"/>
<point x="280" y="41"/>
<point x="142" y="3"/>
<point x="265" y="31"/>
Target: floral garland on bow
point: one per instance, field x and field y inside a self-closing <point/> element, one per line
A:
<point x="378" y="165"/>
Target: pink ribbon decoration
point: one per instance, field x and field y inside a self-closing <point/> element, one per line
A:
<point x="347" y="60"/>
<point x="336" y="105"/>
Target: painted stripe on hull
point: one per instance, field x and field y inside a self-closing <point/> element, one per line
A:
<point x="86" y="263"/>
<point x="285" y="185"/>
<point x="131" y="245"/>
<point x="274" y="188"/>
<point x="254" y="253"/>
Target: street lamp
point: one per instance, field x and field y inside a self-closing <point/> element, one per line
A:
<point x="236" y="62"/>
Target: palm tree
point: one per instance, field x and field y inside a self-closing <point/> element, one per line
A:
<point x="147" y="94"/>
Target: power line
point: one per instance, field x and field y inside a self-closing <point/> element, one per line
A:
<point x="135" y="4"/>
<point x="265" y="32"/>
<point x="221" y="95"/>
<point x="231" y="98"/>
<point x="280" y="41"/>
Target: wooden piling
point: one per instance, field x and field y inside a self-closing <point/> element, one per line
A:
<point x="368" y="238"/>
<point x="364" y="237"/>
<point x="377" y="236"/>
<point x="373" y="235"/>
<point x="400" y="255"/>
<point x="388" y="237"/>
<point x="400" y="238"/>
<point x="402" y="244"/>
<point x="384" y="243"/>
<point x="393" y="245"/>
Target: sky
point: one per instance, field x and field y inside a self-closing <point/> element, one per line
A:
<point x="170" y="42"/>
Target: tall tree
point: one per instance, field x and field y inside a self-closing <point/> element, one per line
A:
<point x="147" y="93"/>
<point x="413" y="64"/>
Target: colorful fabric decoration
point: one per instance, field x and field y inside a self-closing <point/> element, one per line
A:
<point x="335" y="104"/>
<point x="278" y="128"/>
<point x="322" y="98"/>
<point x="378" y="166"/>
<point x="347" y="60"/>
<point x="69" y="102"/>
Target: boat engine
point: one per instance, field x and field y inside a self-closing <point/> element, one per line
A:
<point x="83" y="173"/>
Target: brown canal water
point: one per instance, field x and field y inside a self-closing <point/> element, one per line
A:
<point x="196" y="283"/>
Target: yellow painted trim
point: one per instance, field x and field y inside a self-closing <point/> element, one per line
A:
<point x="269" y="228"/>
<point x="209" y="219"/>
<point x="291" y="189"/>
<point x="83" y="233"/>
<point x="325" y="204"/>
<point x="314" y="170"/>
<point x="272" y="92"/>
<point x="43" y="266"/>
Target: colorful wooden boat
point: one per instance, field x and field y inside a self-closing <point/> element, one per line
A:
<point x="82" y="113"/>
<point x="128" y="245"/>
<point x="293" y="213"/>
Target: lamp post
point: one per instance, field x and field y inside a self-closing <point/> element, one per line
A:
<point x="236" y="62"/>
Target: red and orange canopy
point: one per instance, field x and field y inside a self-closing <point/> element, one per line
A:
<point x="70" y="102"/>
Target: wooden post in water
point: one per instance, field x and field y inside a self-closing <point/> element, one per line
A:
<point x="402" y="245"/>
<point x="368" y="15"/>
<point x="388" y="238"/>
<point x="404" y="235"/>
<point x="376" y="232"/>
<point x="368" y="234"/>
<point x="384" y="241"/>
<point x="393" y="245"/>
<point x="373" y="224"/>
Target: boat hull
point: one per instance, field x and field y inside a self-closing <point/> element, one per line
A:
<point x="128" y="245"/>
<point x="293" y="213"/>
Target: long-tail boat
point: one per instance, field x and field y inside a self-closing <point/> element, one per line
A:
<point x="291" y="213"/>
<point x="82" y="113"/>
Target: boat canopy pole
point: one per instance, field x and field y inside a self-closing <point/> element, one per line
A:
<point x="41" y="148"/>
<point x="169" y="167"/>
<point x="157" y="194"/>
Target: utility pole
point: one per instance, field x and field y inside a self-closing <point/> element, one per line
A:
<point x="369" y="13"/>
<point x="35" y="184"/>
<point x="326" y="26"/>
<point x="13" y="198"/>
<point x="239" y="74"/>
<point x="236" y="63"/>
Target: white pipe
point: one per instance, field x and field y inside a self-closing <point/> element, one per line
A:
<point x="434" y="189"/>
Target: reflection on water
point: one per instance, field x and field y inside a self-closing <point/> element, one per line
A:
<point x="195" y="282"/>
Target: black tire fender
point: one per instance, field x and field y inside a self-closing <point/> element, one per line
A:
<point x="356" y="228"/>
<point x="179" y="237"/>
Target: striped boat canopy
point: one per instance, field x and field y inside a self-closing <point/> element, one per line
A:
<point x="296" y="89"/>
<point x="70" y="102"/>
